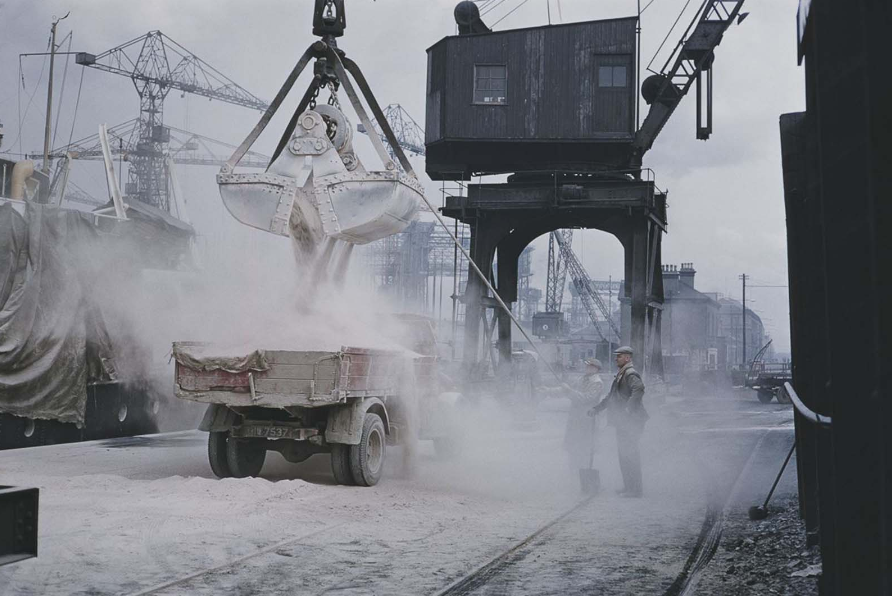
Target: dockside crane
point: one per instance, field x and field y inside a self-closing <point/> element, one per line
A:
<point x="556" y="279"/>
<point x="157" y="64"/>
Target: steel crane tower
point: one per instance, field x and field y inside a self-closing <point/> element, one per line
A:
<point x="409" y="134"/>
<point x="557" y="271"/>
<point x="156" y="64"/>
<point x="586" y="289"/>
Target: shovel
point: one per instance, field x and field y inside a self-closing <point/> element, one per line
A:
<point x="590" y="479"/>
<point x="757" y="512"/>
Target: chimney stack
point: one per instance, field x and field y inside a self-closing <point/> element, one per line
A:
<point x="670" y="280"/>
<point x="686" y="275"/>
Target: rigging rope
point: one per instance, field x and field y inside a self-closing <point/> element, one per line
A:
<point x="665" y="39"/>
<point x="510" y="13"/>
<point x="22" y="117"/>
<point x="76" y="104"/>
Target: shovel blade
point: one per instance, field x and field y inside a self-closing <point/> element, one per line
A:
<point x="758" y="512"/>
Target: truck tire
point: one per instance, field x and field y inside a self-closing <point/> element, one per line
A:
<point x="217" y="454"/>
<point x="765" y="395"/>
<point x="367" y="458"/>
<point x="782" y="396"/>
<point x="245" y="457"/>
<point x="340" y="464"/>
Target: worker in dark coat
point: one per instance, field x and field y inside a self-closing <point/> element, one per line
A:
<point x="625" y="411"/>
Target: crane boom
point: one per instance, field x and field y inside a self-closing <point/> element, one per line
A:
<point x="156" y="64"/>
<point x="690" y="60"/>
<point x="557" y="271"/>
<point x="157" y="60"/>
<point x="586" y="290"/>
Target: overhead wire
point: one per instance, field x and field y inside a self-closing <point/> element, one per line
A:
<point x="22" y="117"/>
<point x="492" y="7"/>
<point x="77" y="103"/>
<point x="647" y="6"/>
<point x="516" y="8"/>
<point x="665" y="39"/>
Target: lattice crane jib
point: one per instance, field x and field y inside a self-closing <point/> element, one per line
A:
<point x="557" y="271"/>
<point x="156" y="64"/>
<point x="585" y="288"/>
<point x="689" y="64"/>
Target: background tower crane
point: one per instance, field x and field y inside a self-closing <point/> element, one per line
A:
<point x="409" y="135"/>
<point x="586" y="290"/>
<point x="556" y="278"/>
<point x="156" y="64"/>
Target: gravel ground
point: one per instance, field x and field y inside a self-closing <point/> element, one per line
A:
<point x="764" y="557"/>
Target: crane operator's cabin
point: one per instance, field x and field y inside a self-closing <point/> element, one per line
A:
<point x="540" y="98"/>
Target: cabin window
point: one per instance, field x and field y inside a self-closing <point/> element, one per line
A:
<point x="491" y="84"/>
<point x="612" y="76"/>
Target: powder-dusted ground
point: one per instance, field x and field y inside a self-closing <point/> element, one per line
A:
<point x="129" y="515"/>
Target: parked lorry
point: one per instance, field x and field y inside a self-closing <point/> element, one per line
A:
<point x="350" y="403"/>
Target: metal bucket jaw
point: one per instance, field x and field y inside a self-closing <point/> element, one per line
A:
<point x="320" y="186"/>
<point x="368" y="206"/>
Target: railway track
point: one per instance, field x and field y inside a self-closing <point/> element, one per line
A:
<point x="684" y="584"/>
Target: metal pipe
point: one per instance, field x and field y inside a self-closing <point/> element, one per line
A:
<point x="49" y="97"/>
<point x="805" y="411"/>
<point x="21" y="171"/>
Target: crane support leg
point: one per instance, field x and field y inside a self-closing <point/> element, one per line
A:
<point x="636" y="288"/>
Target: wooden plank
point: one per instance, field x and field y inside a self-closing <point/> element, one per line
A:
<point x="298" y="356"/>
<point x="299" y="371"/>
<point x="231" y="398"/>
<point x="194" y="380"/>
<point x="291" y="386"/>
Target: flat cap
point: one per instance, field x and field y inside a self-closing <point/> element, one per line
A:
<point x="593" y="362"/>
<point x="624" y="350"/>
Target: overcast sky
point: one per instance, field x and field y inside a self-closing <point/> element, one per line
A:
<point x="725" y="195"/>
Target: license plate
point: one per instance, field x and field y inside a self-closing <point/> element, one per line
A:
<point x="270" y="432"/>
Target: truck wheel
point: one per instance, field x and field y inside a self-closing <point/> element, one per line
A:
<point x="217" y="454"/>
<point x="782" y="396"/>
<point x="367" y="458"/>
<point x="340" y="464"/>
<point x="765" y="396"/>
<point x="245" y="457"/>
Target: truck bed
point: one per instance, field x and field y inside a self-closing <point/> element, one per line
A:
<point x="283" y="378"/>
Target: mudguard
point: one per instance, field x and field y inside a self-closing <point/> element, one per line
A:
<point x="345" y="422"/>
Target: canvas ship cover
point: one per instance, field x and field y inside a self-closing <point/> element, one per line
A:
<point x="53" y="339"/>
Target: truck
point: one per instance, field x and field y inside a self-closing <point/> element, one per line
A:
<point x="351" y="403"/>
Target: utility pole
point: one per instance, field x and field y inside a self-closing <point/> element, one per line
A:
<point x="743" y="315"/>
<point x="49" y="97"/>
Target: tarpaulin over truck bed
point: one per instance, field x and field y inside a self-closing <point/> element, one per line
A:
<point x="53" y="338"/>
<point x="198" y="357"/>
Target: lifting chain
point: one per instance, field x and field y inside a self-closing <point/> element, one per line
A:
<point x="332" y="125"/>
<point x="312" y="103"/>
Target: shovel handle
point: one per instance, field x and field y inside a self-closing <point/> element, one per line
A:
<point x="779" y="474"/>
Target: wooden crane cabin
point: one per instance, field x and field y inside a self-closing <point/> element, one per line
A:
<point x="541" y="98"/>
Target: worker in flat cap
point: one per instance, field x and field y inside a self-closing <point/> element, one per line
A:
<point x="624" y="404"/>
<point x="579" y="436"/>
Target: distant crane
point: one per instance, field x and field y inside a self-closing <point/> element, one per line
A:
<point x="156" y="64"/>
<point x="586" y="289"/>
<point x="409" y="135"/>
<point x="184" y="147"/>
<point x="556" y="278"/>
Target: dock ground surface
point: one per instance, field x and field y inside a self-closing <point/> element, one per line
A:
<point x="146" y="515"/>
